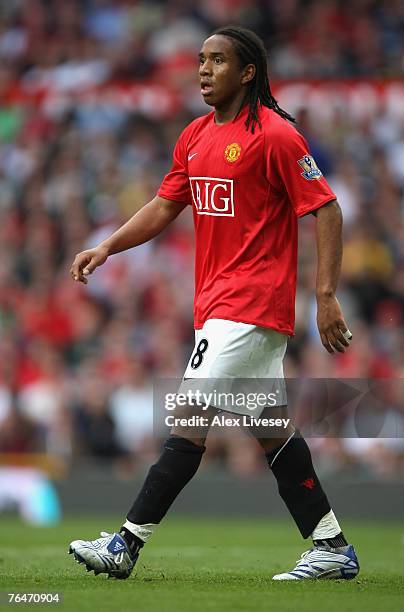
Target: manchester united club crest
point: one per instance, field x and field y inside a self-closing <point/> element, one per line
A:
<point x="232" y="152"/>
<point x="310" y="169"/>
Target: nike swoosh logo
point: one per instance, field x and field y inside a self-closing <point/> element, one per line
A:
<point x="191" y="156"/>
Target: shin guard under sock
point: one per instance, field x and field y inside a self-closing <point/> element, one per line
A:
<point x="166" y="478"/>
<point x="298" y="483"/>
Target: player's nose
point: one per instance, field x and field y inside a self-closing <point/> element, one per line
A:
<point x="205" y="68"/>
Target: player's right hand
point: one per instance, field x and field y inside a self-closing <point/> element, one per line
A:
<point x="86" y="262"/>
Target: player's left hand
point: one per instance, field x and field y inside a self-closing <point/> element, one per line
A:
<point x="334" y="332"/>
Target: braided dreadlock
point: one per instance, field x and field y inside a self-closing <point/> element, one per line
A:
<point x="250" y="50"/>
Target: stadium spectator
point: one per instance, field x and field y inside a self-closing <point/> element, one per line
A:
<point x="75" y="162"/>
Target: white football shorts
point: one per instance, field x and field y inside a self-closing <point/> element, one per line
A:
<point x="237" y="358"/>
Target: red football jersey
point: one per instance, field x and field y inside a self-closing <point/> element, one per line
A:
<point x="247" y="191"/>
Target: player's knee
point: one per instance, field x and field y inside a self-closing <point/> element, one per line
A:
<point x="270" y="444"/>
<point x="185" y="445"/>
<point x="277" y="437"/>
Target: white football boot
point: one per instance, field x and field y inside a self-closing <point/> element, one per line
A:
<point x="109" y="554"/>
<point x="324" y="563"/>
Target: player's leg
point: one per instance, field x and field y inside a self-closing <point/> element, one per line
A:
<point x="117" y="553"/>
<point x="176" y="466"/>
<point x="214" y="357"/>
<point x="290" y="460"/>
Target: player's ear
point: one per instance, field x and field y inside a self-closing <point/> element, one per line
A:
<point x="248" y="74"/>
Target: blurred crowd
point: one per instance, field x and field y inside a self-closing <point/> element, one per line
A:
<point x="77" y="363"/>
<point x="52" y="39"/>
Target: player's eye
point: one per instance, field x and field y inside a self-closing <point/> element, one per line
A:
<point x="201" y="60"/>
<point x="218" y="60"/>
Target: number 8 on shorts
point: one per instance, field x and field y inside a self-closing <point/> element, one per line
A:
<point x="199" y="353"/>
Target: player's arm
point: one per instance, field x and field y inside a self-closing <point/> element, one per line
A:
<point x="330" y="320"/>
<point x="147" y="223"/>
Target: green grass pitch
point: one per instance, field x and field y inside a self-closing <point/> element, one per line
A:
<point x="194" y="565"/>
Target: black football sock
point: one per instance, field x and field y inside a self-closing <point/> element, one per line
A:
<point x="337" y="541"/>
<point x="134" y="543"/>
<point x="298" y="483"/>
<point x="166" y="479"/>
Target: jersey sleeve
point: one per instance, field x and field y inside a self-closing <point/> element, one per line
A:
<point x="175" y="185"/>
<point x="291" y="168"/>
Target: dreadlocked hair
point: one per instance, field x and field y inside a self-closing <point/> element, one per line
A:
<point x="250" y="50"/>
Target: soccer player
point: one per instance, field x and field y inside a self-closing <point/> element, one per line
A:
<point x="248" y="175"/>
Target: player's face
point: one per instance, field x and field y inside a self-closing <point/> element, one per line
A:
<point x="221" y="76"/>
